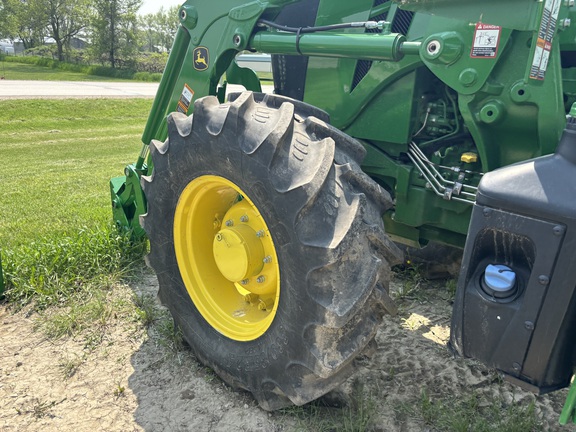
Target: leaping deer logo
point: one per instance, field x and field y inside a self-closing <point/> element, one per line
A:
<point x="201" y="58"/>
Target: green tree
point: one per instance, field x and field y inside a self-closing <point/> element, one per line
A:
<point x="114" y="31"/>
<point x="168" y="23"/>
<point x="65" y="19"/>
<point x="23" y="20"/>
<point x="159" y="29"/>
<point x="149" y="34"/>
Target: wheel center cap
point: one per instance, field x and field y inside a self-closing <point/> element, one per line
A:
<point x="238" y="253"/>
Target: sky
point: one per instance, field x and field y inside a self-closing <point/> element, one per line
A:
<point x="153" y="6"/>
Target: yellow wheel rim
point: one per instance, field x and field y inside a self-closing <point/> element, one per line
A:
<point x="227" y="258"/>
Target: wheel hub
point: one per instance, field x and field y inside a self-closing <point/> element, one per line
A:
<point x="238" y="253"/>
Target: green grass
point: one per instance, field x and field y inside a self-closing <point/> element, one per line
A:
<point x="20" y="71"/>
<point x="469" y="414"/>
<point x="55" y="229"/>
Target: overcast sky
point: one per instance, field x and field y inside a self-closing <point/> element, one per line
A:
<point x="153" y="6"/>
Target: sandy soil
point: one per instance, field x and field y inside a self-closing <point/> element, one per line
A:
<point x="131" y="381"/>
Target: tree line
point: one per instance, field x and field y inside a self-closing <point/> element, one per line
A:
<point x="112" y="29"/>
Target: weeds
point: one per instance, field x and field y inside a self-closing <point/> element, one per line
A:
<point x="52" y="269"/>
<point x="69" y="366"/>
<point x="357" y="416"/>
<point x="146" y="309"/>
<point x="410" y="281"/>
<point x="451" y="286"/>
<point x="473" y="413"/>
<point x="119" y="390"/>
<point x="170" y="335"/>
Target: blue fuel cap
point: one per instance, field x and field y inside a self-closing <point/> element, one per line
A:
<point x="499" y="278"/>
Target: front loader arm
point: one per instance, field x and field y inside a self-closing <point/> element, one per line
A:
<point x="209" y="37"/>
<point x="208" y="40"/>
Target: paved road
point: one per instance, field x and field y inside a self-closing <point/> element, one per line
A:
<point x="14" y="89"/>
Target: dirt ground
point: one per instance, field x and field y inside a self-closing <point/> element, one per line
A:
<point x="131" y="381"/>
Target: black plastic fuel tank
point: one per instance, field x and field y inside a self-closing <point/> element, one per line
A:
<point x="515" y="306"/>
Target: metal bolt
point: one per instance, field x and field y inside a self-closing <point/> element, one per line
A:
<point x="244" y="219"/>
<point x="229" y="223"/>
<point x="237" y="40"/>
<point x="558" y="230"/>
<point x="529" y="325"/>
<point x="543" y="280"/>
<point x="183" y="14"/>
<point x="487" y="212"/>
<point x="566" y="22"/>
<point x="261" y="279"/>
<point x="267" y="260"/>
<point x="433" y="47"/>
<point x="219" y="237"/>
<point x="516" y="366"/>
<point x="250" y="298"/>
<point x="245" y="281"/>
<point x="260" y="234"/>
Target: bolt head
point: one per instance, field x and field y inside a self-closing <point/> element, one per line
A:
<point x="244" y="281"/>
<point x="229" y="223"/>
<point x="433" y="47"/>
<point x="260" y="234"/>
<point x="261" y="279"/>
<point x="244" y="219"/>
<point x="268" y="260"/>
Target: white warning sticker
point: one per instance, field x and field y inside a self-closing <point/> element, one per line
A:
<point x="545" y="39"/>
<point x="486" y="41"/>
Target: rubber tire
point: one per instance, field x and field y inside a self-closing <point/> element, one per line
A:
<point x="324" y="215"/>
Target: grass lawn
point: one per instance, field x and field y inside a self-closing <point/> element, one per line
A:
<point x="55" y="217"/>
<point x="58" y="157"/>
<point x="21" y="71"/>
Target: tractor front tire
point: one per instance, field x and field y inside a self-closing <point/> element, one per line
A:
<point x="268" y="244"/>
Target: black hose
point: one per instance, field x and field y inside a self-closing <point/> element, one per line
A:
<point x="302" y="30"/>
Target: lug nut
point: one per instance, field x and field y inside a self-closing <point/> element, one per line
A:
<point x="244" y="219"/>
<point x="261" y="279"/>
<point x="267" y="260"/>
<point x="244" y="281"/>
<point x="260" y="234"/>
<point x="229" y="223"/>
<point x="250" y="298"/>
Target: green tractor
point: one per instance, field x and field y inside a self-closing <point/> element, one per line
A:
<point x="274" y="219"/>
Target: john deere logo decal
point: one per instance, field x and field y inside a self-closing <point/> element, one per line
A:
<point x="201" y="59"/>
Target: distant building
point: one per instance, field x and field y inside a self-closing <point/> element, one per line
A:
<point x="6" y="47"/>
